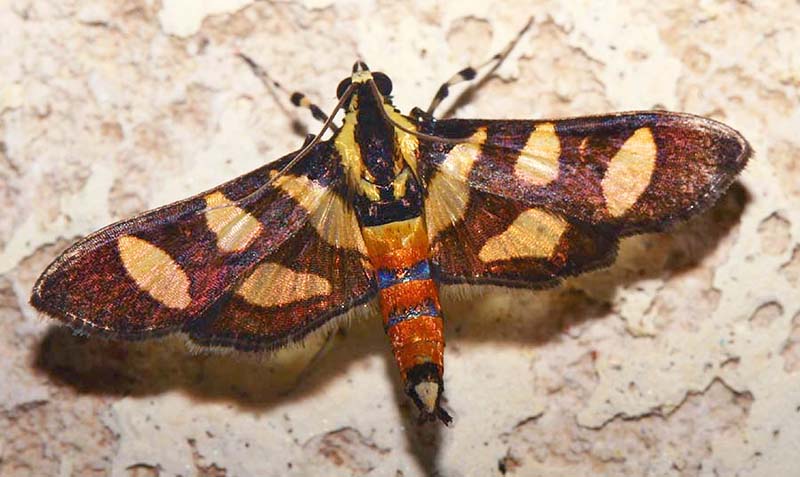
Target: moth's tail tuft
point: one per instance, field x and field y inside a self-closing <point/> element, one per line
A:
<point x="425" y="387"/>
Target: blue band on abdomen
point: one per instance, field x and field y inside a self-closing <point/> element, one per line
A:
<point x="388" y="277"/>
<point x="427" y="308"/>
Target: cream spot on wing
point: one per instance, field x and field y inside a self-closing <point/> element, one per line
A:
<point x="448" y="190"/>
<point x="629" y="172"/>
<point x="271" y="284"/>
<point x="334" y="220"/>
<point x="535" y="233"/>
<point x="234" y="227"/>
<point x="538" y="161"/>
<point x="155" y="272"/>
<point x="306" y="192"/>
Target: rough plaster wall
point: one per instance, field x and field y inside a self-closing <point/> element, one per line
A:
<point x="682" y="359"/>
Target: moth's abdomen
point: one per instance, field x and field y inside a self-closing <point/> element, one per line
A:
<point x="412" y="318"/>
<point x="409" y="303"/>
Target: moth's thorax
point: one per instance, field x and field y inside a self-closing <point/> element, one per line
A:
<point x="376" y="138"/>
<point x="379" y="159"/>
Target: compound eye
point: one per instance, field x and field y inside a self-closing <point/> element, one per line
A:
<point x="383" y="83"/>
<point x="342" y="87"/>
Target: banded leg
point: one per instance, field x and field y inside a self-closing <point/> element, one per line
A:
<point x="297" y="98"/>
<point x="469" y="73"/>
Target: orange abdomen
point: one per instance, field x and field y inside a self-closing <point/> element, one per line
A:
<point x="409" y="299"/>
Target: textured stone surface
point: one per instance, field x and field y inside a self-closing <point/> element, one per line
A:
<point x="682" y="359"/>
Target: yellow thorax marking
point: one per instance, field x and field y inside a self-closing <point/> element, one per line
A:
<point x="358" y="176"/>
<point x="345" y="144"/>
<point x="361" y="76"/>
<point x="370" y="190"/>
<point x="399" y="184"/>
<point x="406" y="143"/>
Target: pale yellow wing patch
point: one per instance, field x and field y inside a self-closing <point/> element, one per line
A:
<point x="234" y="227"/>
<point x="272" y="284"/>
<point x="537" y="163"/>
<point x="333" y="219"/>
<point x="534" y="234"/>
<point x="629" y="172"/>
<point x="306" y="192"/>
<point x="155" y="272"/>
<point x="448" y="190"/>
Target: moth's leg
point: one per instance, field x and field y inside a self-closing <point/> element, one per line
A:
<point x="297" y="98"/>
<point x="469" y="73"/>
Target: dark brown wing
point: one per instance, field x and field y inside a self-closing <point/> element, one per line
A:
<point x="163" y="270"/>
<point x="523" y="203"/>
<point x="320" y="273"/>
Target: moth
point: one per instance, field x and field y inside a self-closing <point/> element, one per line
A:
<point x="389" y="209"/>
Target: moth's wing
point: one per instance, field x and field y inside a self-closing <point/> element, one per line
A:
<point x="522" y="203"/>
<point x="502" y="242"/>
<point x="320" y="273"/>
<point x="161" y="271"/>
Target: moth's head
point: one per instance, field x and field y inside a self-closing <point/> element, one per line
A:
<point x="365" y="83"/>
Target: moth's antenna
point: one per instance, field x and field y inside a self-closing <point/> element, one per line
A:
<point x="303" y="152"/>
<point x="308" y="147"/>
<point x="429" y="137"/>
<point x="297" y="98"/>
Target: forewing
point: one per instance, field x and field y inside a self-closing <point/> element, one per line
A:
<point x="524" y="202"/>
<point x="159" y="271"/>
<point x="321" y="273"/>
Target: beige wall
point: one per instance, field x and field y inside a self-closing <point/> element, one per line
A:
<point x="682" y="359"/>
